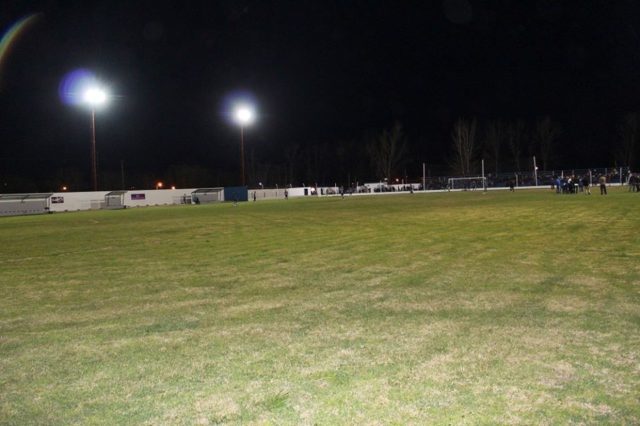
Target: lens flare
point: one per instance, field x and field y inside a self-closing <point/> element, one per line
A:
<point x="12" y="35"/>
<point x="77" y="85"/>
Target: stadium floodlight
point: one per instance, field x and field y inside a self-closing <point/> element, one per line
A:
<point x="94" y="97"/>
<point x="243" y="115"/>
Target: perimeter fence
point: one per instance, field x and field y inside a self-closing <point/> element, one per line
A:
<point x="615" y="176"/>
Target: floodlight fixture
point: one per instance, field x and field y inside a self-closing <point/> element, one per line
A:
<point x="244" y="115"/>
<point x="95" y="96"/>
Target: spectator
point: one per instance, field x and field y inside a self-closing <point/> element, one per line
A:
<point x="631" y="181"/>
<point x="634" y="182"/>
<point x="603" y="185"/>
<point x="585" y="184"/>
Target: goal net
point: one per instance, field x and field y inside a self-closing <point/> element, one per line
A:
<point x="207" y="195"/>
<point x="467" y="183"/>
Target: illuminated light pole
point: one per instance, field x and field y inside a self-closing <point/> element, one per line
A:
<point x="244" y="115"/>
<point x="94" y="97"/>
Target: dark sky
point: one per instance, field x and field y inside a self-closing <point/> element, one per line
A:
<point x="321" y="72"/>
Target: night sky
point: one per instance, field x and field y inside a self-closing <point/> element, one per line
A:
<point x="324" y="74"/>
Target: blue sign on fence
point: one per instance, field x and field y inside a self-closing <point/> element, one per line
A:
<point x="236" y="193"/>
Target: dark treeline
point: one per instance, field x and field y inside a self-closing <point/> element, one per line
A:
<point x="389" y="153"/>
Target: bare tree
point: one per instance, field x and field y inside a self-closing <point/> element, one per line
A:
<point x="545" y="134"/>
<point x="494" y="136"/>
<point x="515" y="137"/>
<point x="629" y="131"/>
<point x="387" y="151"/>
<point x="463" y="136"/>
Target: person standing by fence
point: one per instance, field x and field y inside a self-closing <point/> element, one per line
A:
<point x="585" y="185"/>
<point x="603" y="185"/>
<point x="631" y="181"/>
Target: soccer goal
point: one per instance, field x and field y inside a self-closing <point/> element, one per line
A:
<point x="207" y="195"/>
<point x="467" y="183"/>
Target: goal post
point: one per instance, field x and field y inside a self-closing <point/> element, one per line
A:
<point x="467" y="183"/>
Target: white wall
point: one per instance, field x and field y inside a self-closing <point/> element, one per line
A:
<point x="95" y="200"/>
<point x="273" y="194"/>
<point x="77" y="201"/>
<point x="155" y="197"/>
<point x="266" y="194"/>
<point x="321" y="190"/>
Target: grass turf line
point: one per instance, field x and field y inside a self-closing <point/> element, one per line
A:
<point x="439" y="308"/>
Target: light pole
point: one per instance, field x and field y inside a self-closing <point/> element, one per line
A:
<point x="94" y="97"/>
<point x="244" y="115"/>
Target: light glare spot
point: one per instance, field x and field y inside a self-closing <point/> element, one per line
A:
<point x="244" y="115"/>
<point x="95" y="96"/>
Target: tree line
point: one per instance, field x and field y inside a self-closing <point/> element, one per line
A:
<point x="508" y="146"/>
<point x="505" y="146"/>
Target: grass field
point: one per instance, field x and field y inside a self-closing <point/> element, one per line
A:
<point x="453" y="308"/>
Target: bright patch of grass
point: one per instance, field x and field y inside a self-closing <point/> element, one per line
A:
<point x="438" y="308"/>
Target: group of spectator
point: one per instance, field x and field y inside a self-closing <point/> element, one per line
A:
<point x="572" y="184"/>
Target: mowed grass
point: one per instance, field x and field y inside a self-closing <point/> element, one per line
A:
<point x="451" y="308"/>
